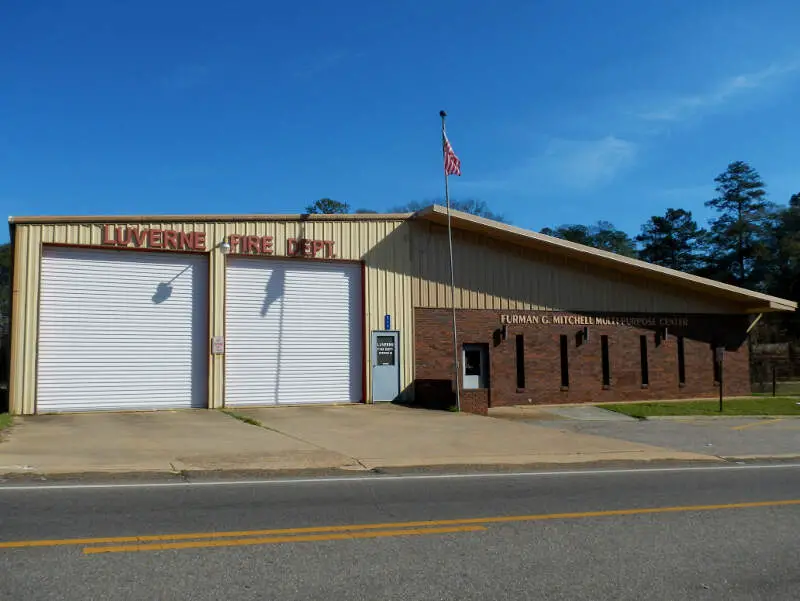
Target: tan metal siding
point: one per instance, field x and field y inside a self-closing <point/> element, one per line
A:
<point x="405" y="265"/>
<point x="381" y="244"/>
<point x="496" y="275"/>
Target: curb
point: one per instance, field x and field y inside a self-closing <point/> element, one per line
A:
<point x="198" y="476"/>
<point x="741" y="458"/>
<point x="714" y="417"/>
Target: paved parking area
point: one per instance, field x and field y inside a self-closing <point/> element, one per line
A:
<point x="731" y="437"/>
<point x="353" y="437"/>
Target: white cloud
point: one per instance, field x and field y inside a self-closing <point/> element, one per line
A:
<point x="686" y="106"/>
<point x="576" y="164"/>
<point x="588" y="163"/>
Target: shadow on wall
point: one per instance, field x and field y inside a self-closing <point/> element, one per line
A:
<point x="164" y="289"/>
<point x="419" y="249"/>
<point x="275" y="289"/>
<point x="199" y="299"/>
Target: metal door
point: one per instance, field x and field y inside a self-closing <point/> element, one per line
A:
<point x="385" y="366"/>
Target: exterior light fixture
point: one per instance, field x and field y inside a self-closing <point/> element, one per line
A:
<point x="225" y="247"/>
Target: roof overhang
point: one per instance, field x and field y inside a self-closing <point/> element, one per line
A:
<point x="750" y="301"/>
<point x="52" y="219"/>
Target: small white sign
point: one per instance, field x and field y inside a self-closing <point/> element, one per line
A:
<point x="217" y="345"/>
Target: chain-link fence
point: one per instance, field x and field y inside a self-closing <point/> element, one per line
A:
<point x="775" y="369"/>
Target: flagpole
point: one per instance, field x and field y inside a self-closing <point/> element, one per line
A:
<point x="456" y="362"/>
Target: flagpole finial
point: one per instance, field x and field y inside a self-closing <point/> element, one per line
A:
<point x="442" y="114"/>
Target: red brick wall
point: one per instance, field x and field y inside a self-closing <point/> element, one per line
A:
<point x="434" y="359"/>
<point x="475" y="401"/>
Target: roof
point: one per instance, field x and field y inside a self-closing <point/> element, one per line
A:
<point x="51" y="219"/>
<point x="753" y="302"/>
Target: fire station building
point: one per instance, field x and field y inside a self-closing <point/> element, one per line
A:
<point x="170" y="312"/>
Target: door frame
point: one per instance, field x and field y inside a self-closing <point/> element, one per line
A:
<point x="373" y="351"/>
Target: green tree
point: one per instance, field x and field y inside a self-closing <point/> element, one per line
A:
<point x="782" y="269"/>
<point x="327" y="206"/>
<point x="579" y="234"/>
<point x="672" y="240"/>
<point x="471" y="206"/>
<point x="739" y="233"/>
<point x="602" y="235"/>
<point x="5" y="279"/>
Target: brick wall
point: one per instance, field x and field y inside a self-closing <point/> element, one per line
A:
<point x="542" y="359"/>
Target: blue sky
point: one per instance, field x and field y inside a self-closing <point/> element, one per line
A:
<point x="562" y="111"/>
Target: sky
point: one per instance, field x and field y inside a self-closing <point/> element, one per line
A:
<point x="561" y="111"/>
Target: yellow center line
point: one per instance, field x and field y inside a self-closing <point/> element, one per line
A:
<point x="386" y="526"/>
<point x="761" y="422"/>
<point x="238" y="542"/>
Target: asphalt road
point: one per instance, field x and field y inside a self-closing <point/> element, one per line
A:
<point x="690" y="533"/>
<point x="723" y="437"/>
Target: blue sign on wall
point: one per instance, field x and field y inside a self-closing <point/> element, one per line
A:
<point x="387" y="322"/>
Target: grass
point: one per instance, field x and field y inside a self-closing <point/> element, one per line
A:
<point x="243" y="418"/>
<point x="5" y="420"/>
<point x="782" y="388"/>
<point x="735" y="406"/>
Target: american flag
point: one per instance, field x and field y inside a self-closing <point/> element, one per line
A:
<point x="452" y="164"/>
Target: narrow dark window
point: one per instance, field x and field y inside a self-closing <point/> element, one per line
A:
<point x="520" y="361"/>
<point x="606" y="364"/>
<point x="681" y="362"/>
<point x="643" y="353"/>
<point x="564" y="362"/>
<point x="716" y="364"/>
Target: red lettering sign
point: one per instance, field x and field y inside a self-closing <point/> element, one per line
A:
<point x="139" y="236"/>
<point x="155" y="238"/>
<point x="297" y="247"/>
<point x="112" y="235"/>
<point x="152" y="238"/>
<point x="108" y="235"/>
<point x="186" y="240"/>
<point x="233" y="240"/>
<point x="171" y="239"/>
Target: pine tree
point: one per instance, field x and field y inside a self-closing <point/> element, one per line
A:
<point x="738" y="234"/>
<point x="671" y="240"/>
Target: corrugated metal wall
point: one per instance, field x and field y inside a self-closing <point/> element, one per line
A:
<point x="495" y="275"/>
<point x="405" y="266"/>
<point x="381" y="244"/>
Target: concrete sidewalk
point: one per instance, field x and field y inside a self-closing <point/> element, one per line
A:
<point x="359" y="437"/>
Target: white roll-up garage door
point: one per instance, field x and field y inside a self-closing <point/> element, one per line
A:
<point x="292" y="332"/>
<point x="122" y="330"/>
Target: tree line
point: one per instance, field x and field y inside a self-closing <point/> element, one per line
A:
<point x="750" y="241"/>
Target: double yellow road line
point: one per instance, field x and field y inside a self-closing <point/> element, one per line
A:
<point x="200" y="540"/>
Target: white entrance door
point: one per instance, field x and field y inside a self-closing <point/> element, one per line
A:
<point x="122" y="330"/>
<point x="293" y="332"/>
